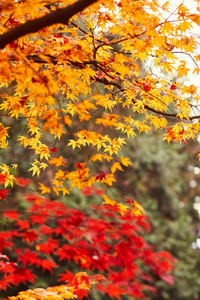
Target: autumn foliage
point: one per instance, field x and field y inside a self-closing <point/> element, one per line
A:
<point x="101" y="241"/>
<point x="76" y="82"/>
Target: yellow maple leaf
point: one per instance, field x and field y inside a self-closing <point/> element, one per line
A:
<point x="125" y="161"/>
<point x="57" y="161"/>
<point x="3" y="131"/>
<point x="116" y="166"/>
<point x="120" y="207"/>
<point x="67" y="120"/>
<point x="44" y="189"/>
<point x="35" y="169"/>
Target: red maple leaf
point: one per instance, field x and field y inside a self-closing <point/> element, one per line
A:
<point x="115" y="291"/>
<point x="44" y="229"/>
<point x="48" y="264"/>
<point x="30" y="236"/>
<point x="23" y="224"/>
<point x="53" y="149"/>
<point x="11" y="214"/>
<point x="146" y="87"/>
<point x="23" y="275"/>
<point x="101" y="175"/>
<point x="48" y="247"/>
<point x="173" y="86"/>
<point x="67" y="276"/>
<point x="3" y="194"/>
<point x="31" y="197"/>
<point x="87" y="191"/>
<point x="28" y="257"/>
<point x="22" y="181"/>
<point x="6" y="240"/>
<point x="38" y="218"/>
<point x="3" y="178"/>
<point x="80" y="165"/>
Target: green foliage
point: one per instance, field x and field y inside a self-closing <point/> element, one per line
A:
<point x="159" y="179"/>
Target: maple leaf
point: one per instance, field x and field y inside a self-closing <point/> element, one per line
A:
<point x="44" y="189"/>
<point x="48" y="264"/>
<point x="6" y="241"/>
<point x="11" y="215"/>
<point x="137" y="209"/>
<point x="115" y="291"/>
<point x="46" y="230"/>
<point x="23" y="224"/>
<point x="22" y="181"/>
<point x="48" y="247"/>
<point x="92" y="190"/>
<point x="53" y="149"/>
<point x="3" y="178"/>
<point x="35" y="169"/>
<point x="57" y="161"/>
<point x="38" y="218"/>
<point x="100" y="176"/>
<point x="125" y="161"/>
<point x="146" y="87"/>
<point x="87" y="191"/>
<point x="28" y="257"/>
<point x="67" y="276"/>
<point x="173" y="86"/>
<point x="116" y="166"/>
<point x="23" y="275"/>
<point x="3" y="194"/>
<point x="30" y="235"/>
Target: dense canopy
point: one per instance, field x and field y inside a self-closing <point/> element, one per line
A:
<point x="77" y="80"/>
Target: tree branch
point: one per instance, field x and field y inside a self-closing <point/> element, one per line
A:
<point x="157" y="112"/>
<point x="105" y="81"/>
<point x="60" y="16"/>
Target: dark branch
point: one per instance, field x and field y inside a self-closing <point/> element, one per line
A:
<point x="54" y="60"/>
<point x="157" y="112"/>
<point x="60" y="16"/>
